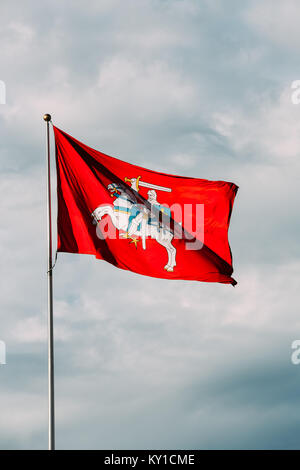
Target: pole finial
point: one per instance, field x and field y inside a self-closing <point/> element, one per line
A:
<point x="47" y="117"/>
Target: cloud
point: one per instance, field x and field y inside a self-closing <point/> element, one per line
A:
<point x="187" y="88"/>
<point x="277" y="21"/>
<point x="272" y="130"/>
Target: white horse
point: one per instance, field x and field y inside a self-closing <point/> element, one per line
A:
<point x="137" y="225"/>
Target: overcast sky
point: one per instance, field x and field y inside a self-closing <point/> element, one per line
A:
<point x="197" y="88"/>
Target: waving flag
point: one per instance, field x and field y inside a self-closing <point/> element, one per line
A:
<point x="151" y="223"/>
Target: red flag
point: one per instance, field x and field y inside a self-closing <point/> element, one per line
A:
<point x="151" y="223"/>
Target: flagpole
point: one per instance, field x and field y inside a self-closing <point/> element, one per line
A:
<point x="51" y="411"/>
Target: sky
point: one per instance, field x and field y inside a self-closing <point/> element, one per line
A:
<point x="188" y="87"/>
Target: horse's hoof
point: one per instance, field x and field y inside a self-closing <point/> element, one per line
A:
<point x="170" y="269"/>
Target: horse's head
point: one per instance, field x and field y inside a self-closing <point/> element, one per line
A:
<point x="114" y="189"/>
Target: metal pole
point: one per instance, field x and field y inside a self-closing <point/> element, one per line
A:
<point x="51" y="422"/>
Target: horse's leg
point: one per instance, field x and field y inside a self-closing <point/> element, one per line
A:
<point x="172" y="256"/>
<point x="171" y="250"/>
<point x="99" y="212"/>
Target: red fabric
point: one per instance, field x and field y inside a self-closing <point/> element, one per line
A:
<point x="83" y="175"/>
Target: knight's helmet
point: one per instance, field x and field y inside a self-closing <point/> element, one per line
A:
<point x="152" y="196"/>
